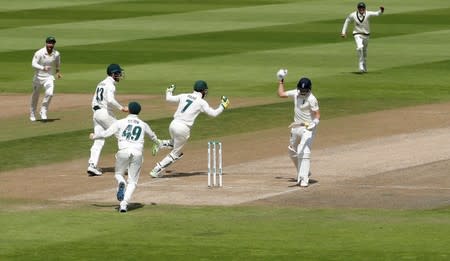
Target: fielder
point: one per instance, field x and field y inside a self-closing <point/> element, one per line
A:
<point x="304" y="127"/>
<point x="130" y="133"/>
<point x="361" y="31"/>
<point x="46" y="63"/>
<point x="189" y="107"/>
<point x="103" y="117"/>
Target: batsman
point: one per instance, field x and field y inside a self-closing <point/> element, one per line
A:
<point x="304" y="127"/>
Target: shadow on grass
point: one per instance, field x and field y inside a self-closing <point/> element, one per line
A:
<point x="48" y="120"/>
<point x="131" y="206"/>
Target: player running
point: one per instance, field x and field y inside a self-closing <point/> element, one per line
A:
<point x="46" y="63"/>
<point x="361" y="31"/>
<point x="189" y="107"/>
<point x="130" y="133"/>
<point x="102" y="105"/>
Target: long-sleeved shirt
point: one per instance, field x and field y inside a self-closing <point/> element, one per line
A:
<point x="362" y="25"/>
<point x="190" y="105"/>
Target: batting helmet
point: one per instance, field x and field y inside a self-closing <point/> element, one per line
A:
<point x="134" y="108"/>
<point x="304" y="85"/>
<point x="361" y="5"/>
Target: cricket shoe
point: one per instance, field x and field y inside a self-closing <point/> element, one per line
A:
<point x="156" y="172"/>
<point x="92" y="170"/>
<point x="121" y="191"/>
<point x="303" y="184"/>
<point x="43" y="115"/>
<point x="123" y="208"/>
<point x="32" y="117"/>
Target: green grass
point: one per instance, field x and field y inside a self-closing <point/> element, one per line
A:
<point x="236" y="46"/>
<point x="225" y="233"/>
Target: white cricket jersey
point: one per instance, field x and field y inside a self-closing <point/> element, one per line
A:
<point x="130" y="133"/>
<point x="42" y="58"/>
<point x="104" y="95"/>
<point x="189" y="107"/>
<point x="361" y="22"/>
<point x="303" y="106"/>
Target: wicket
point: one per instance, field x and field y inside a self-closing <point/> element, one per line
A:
<point x="213" y="169"/>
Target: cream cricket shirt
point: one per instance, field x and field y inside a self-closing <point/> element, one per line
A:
<point x="130" y="133"/>
<point x="189" y="107"/>
<point x="104" y="95"/>
<point x="362" y="25"/>
<point x="41" y="58"/>
<point x="303" y="106"/>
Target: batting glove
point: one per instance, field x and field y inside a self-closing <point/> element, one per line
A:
<point x="225" y="102"/>
<point x="171" y="88"/>
<point x="382" y="9"/>
<point x="312" y="125"/>
<point x="281" y="74"/>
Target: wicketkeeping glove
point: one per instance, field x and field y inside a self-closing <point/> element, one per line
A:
<point x="171" y="88"/>
<point x="225" y="102"/>
<point x="155" y="147"/>
<point x="281" y="74"/>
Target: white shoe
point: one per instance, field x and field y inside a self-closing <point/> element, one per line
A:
<point x="303" y="183"/>
<point x="32" y="117"/>
<point x="156" y="172"/>
<point x="123" y="207"/>
<point x="43" y="115"/>
<point x="93" y="170"/>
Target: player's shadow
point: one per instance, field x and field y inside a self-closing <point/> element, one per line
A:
<point x="48" y="120"/>
<point x="294" y="180"/>
<point x="362" y="73"/>
<point x="131" y="206"/>
<point x="172" y="174"/>
<point x="108" y="169"/>
<point x="134" y="206"/>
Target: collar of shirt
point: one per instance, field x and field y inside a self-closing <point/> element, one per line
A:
<point x="132" y="116"/>
<point x="111" y="79"/>
<point x="199" y="94"/>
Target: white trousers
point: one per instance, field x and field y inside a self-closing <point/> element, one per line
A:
<point x="131" y="160"/>
<point x="362" y="42"/>
<point x="179" y="133"/>
<point x="48" y="84"/>
<point x="102" y="120"/>
<point x="300" y="145"/>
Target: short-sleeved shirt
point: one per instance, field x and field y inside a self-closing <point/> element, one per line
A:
<point x="303" y="105"/>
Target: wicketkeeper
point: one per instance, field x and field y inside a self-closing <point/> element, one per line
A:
<point x="190" y="105"/>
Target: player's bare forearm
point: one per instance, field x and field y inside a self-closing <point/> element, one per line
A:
<point x="281" y="91"/>
<point x="316" y="114"/>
